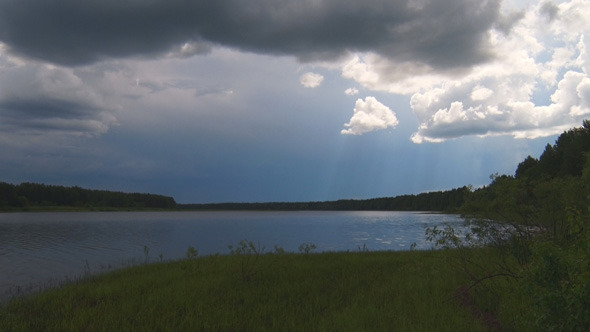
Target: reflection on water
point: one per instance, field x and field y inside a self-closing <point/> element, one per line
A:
<point x="36" y="248"/>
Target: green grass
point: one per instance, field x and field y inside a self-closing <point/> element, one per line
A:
<point x="360" y="291"/>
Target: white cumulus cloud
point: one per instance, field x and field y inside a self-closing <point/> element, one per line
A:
<point x="543" y="51"/>
<point x="311" y="80"/>
<point x="481" y="93"/>
<point x="351" y="91"/>
<point x="370" y="115"/>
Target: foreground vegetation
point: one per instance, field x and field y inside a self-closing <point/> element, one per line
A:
<point x="250" y="291"/>
<point x="459" y="288"/>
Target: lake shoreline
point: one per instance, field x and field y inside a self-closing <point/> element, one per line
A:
<point x="38" y="247"/>
<point x="115" y="209"/>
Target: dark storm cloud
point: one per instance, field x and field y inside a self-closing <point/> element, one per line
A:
<point x="46" y="107"/>
<point x="39" y="97"/>
<point x="550" y="10"/>
<point x="73" y="32"/>
<point x="53" y="115"/>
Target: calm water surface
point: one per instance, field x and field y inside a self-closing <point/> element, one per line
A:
<point x="38" y="249"/>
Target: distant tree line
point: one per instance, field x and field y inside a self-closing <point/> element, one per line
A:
<point x="33" y="195"/>
<point x="449" y="200"/>
<point x="546" y="192"/>
<point x="542" y="190"/>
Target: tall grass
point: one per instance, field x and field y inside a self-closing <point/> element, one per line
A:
<point x="360" y="291"/>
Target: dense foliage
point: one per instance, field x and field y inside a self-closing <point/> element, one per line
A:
<point x="544" y="194"/>
<point x="539" y="222"/>
<point x="32" y="195"/>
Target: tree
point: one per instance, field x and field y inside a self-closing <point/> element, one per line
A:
<point x="528" y="167"/>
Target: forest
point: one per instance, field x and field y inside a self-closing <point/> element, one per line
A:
<point x="449" y="200"/>
<point x="537" y="222"/>
<point x="35" y="196"/>
<point x="26" y="196"/>
<point x="547" y="192"/>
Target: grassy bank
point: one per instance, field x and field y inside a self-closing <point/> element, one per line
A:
<point x="361" y="291"/>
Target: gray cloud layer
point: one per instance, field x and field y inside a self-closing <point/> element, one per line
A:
<point x="442" y="34"/>
<point x="50" y="99"/>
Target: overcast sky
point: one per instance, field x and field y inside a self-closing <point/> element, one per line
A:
<point x="276" y="100"/>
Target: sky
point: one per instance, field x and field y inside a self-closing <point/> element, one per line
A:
<point x="285" y="100"/>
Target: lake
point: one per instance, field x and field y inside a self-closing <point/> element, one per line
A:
<point x="41" y="249"/>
